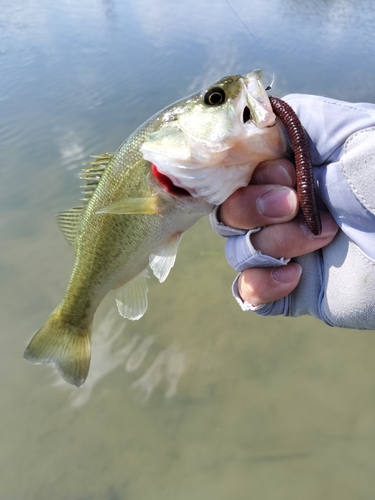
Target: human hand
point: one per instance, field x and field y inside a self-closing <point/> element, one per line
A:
<point x="332" y="277"/>
<point x="271" y="202"/>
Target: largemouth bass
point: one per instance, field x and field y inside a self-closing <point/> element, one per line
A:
<point x="138" y="201"/>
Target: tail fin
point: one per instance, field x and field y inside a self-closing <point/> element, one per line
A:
<point x="66" y="346"/>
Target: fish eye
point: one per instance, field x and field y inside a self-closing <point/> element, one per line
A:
<point x="214" y="96"/>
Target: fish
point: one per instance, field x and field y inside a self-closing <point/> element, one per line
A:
<point x="139" y="201"/>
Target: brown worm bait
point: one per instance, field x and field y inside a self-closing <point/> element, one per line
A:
<point x="304" y="171"/>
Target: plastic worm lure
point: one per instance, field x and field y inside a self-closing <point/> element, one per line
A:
<point x="304" y="171"/>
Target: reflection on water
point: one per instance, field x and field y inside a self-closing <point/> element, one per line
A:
<point x="138" y="355"/>
<point x="195" y="400"/>
<point x="111" y="350"/>
<point x="171" y="363"/>
<point x="72" y="150"/>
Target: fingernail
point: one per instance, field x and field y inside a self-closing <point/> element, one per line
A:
<point x="287" y="274"/>
<point x="277" y="202"/>
<point x="329" y="227"/>
<point x="278" y="173"/>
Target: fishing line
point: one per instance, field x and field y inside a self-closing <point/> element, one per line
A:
<point x="305" y="176"/>
<point x="244" y="25"/>
<point x="269" y="87"/>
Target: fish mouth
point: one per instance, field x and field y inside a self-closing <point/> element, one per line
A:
<point x="246" y="115"/>
<point x="166" y="183"/>
<point x="259" y="109"/>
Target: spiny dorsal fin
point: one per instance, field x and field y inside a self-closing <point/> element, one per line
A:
<point x="92" y="175"/>
<point x="103" y="159"/>
<point x="68" y="222"/>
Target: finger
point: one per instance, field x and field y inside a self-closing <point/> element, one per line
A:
<point x="281" y="172"/>
<point x="293" y="238"/>
<point x="259" y="205"/>
<point x="261" y="285"/>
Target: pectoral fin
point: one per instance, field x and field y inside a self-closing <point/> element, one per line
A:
<point x="162" y="262"/>
<point x="132" y="206"/>
<point x="131" y="298"/>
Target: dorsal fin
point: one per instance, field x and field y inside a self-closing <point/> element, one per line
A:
<point x="92" y="175"/>
<point x="68" y="222"/>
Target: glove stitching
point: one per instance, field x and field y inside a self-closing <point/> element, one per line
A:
<point x="364" y="256"/>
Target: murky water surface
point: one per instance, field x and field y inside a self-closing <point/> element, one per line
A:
<point x="196" y="400"/>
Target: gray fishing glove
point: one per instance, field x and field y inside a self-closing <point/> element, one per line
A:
<point x="338" y="282"/>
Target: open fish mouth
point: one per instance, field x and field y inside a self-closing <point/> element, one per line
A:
<point x="246" y="115"/>
<point x="167" y="183"/>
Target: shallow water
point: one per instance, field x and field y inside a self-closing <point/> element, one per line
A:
<point x="196" y="400"/>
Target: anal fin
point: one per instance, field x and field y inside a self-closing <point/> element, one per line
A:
<point x="131" y="298"/>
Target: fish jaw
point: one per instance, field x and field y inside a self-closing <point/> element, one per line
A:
<point x="211" y="153"/>
<point x="257" y="100"/>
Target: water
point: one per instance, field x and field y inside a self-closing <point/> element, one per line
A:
<point x="196" y="400"/>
